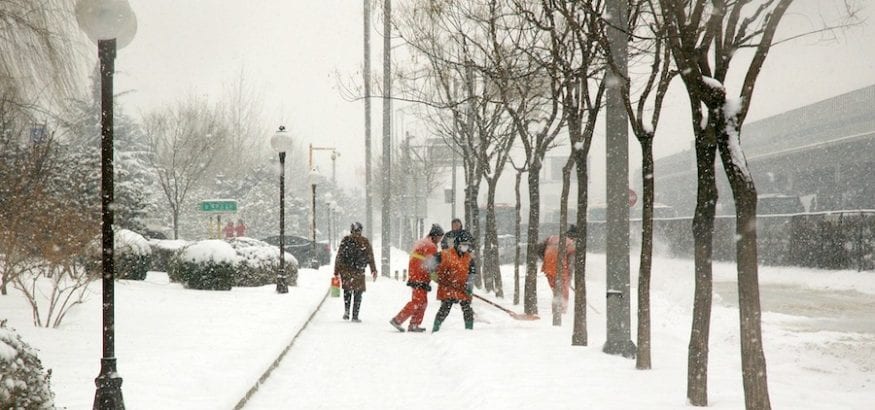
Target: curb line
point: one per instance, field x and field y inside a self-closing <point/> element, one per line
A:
<point x="276" y="362"/>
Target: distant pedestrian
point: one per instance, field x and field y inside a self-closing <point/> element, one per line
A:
<point x="228" y="231"/>
<point x="549" y="252"/>
<point x="455" y="277"/>
<point x="456" y="229"/>
<point x="422" y="261"/>
<point x="240" y="229"/>
<point x="354" y="255"/>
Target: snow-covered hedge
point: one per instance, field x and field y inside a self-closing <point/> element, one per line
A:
<point x="23" y="382"/>
<point x="208" y="265"/>
<point x="164" y="252"/>
<point x="132" y="256"/>
<point x="259" y="261"/>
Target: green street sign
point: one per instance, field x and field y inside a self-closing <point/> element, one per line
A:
<point x="219" y="205"/>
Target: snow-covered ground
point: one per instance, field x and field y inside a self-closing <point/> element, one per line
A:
<point x="188" y="349"/>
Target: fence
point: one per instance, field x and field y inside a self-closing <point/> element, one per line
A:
<point x="826" y="240"/>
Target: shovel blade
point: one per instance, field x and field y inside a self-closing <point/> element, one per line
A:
<point x="524" y="316"/>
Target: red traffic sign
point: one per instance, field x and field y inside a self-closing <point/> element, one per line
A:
<point x="633" y="198"/>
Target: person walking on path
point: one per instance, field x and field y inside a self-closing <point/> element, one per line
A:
<point x="456" y="230"/>
<point x="455" y="277"/>
<point x="228" y="230"/>
<point x="422" y="261"/>
<point x="549" y="252"/>
<point x="353" y="255"/>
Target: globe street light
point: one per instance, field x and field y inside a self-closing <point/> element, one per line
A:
<point x="111" y="24"/>
<point x="281" y="141"/>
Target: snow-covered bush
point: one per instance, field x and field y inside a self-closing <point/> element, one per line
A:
<point x="23" y="382"/>
<point x="259" y="262"/>
<point x="132" y="255"/>
<point x="208" y="265"/>
<point x="164" y="252"/>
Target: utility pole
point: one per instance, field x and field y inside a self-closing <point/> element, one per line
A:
<point x="369" y="217"/>
<point x="387" y="139"/>
<point x="619" y="340"/>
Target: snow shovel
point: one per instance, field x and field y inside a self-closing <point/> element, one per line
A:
<point x="512" y="314"/>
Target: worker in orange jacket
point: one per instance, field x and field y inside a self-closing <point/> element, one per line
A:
<point x="422" y="261"/>
<point x="455" y="277"/>
<point x="549" y="250"/>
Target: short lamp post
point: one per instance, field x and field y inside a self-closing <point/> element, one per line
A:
<point x="281" y="141"/>
<point x="315" y="176"/>
<point x="111" y="24"/>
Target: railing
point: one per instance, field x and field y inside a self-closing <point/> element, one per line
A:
<point x="828" y="240"/>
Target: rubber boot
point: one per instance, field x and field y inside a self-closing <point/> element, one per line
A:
<point x="469" y="324"/>
<point x="436" y="326"/>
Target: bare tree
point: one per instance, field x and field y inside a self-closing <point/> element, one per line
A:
<point x="25" y="170"/>
<point x="520" y="170"/>
<point x="532" y="100"/>
<point x="465" y="109"/>
<point x="185" y="141"/>
<point x="574" y="62"/>
<point x="705" y="36"/>
<point x="246" y="141"/>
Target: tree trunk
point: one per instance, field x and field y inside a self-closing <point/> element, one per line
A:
<point x="643" y="357"/>
<point x="472" y="215"/>
<point x="753" y="360"/>
<point x="175" y="216"/>
<point x="530" y="298"/>
<point x="579" y="334"/>
<point x="703" y="232"/>
<point x="517" y="236"/>
<point x="491" y="265"/>
<point x="558" y="300"/>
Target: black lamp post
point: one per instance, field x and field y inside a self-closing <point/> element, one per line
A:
<point x="282" y="142"/>
<point x="315" y="178"/>
<point x="112" y="25"/>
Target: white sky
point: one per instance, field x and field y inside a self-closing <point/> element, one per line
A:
<point x="295" y="50"/>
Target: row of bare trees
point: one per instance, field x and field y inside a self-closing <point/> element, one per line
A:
<point x="497" y="76"/>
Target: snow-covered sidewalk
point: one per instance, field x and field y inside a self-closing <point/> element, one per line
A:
<point x="509" y="364"/>
<point x="189" y="349"/>
<point x="176" y="348"/>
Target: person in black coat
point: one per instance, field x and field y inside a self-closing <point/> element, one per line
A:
<point x="456" y="230"/>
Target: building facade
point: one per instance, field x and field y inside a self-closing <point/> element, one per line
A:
<point x="823" y="153"/>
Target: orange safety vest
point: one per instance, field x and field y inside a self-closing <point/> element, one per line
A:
<point x="551" y="257"/>
<point x="453" y="275"/>
<point x="423" y="250"/>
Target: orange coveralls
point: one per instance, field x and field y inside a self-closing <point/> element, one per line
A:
<point x="551" y="264"/>
<point x="423" y="251"/>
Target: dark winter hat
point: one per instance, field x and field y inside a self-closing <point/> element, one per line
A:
<point x="355" y="227"/>
<point x="456" y="220"/>
<point x="463" y="237"/>
<point x="436" y="230"/>
<point x="572" y="231"/>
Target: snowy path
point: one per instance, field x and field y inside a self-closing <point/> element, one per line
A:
<point x="508" y="364"/>
<point x="337" y="363"/>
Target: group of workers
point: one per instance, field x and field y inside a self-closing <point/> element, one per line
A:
<point x="442" y="257"/>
